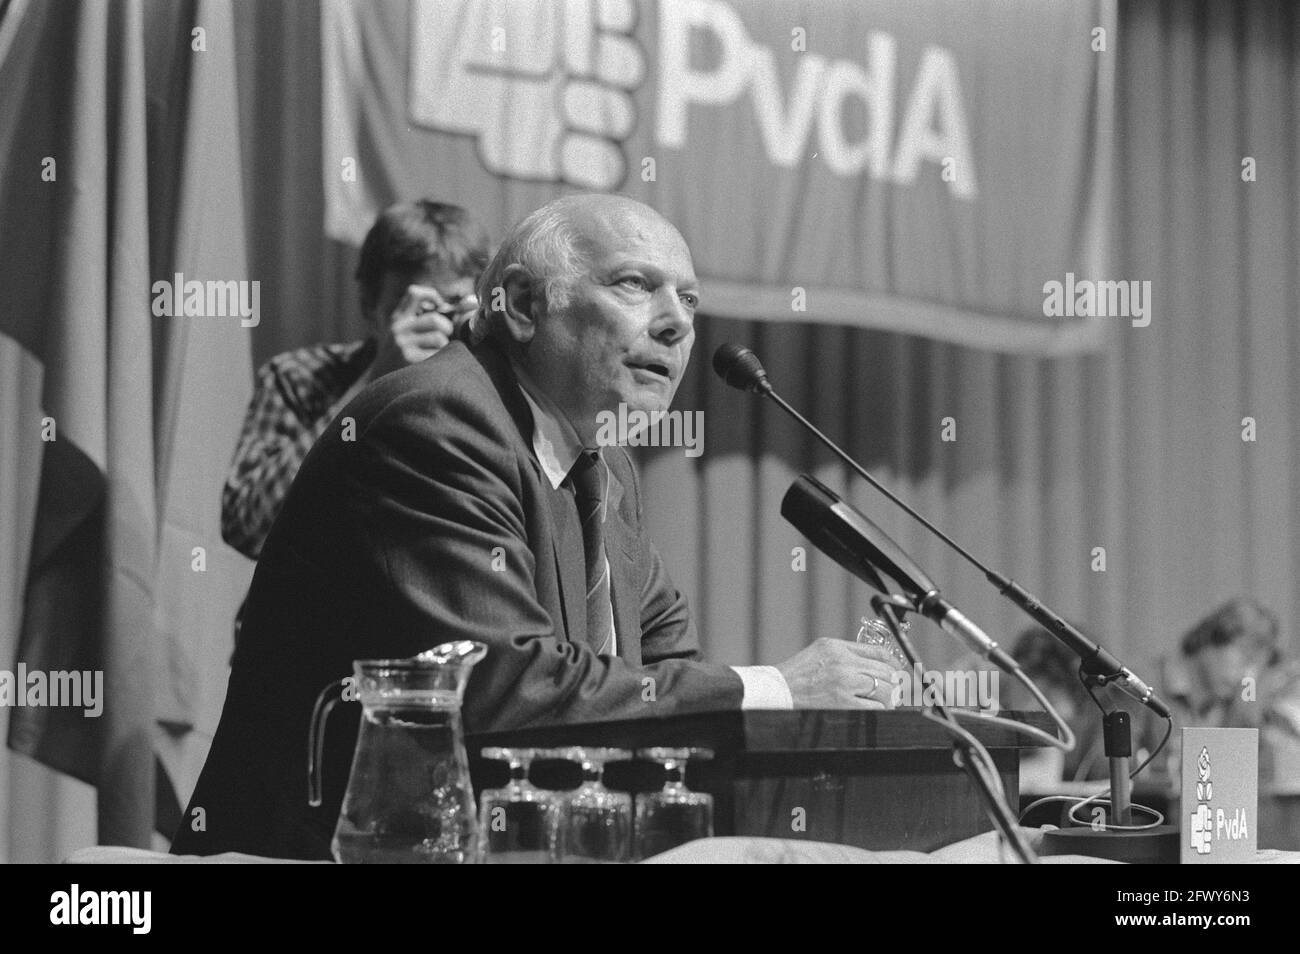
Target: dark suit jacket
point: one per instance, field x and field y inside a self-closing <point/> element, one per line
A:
<point x="385" y="547"/>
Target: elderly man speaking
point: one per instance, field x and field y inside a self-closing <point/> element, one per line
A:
<point x="465" y="497"/>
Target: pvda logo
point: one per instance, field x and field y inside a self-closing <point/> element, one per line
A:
<point x="546" y="88"/>
<point x="1202" y="819"/>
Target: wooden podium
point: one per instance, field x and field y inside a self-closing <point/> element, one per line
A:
<point x="878" y="780"/>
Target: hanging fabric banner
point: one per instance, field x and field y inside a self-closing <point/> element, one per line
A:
<point x="937" y="167"/>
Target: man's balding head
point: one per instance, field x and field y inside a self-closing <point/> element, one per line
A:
<point x="594" y="297"/>
<point x="554" y="243"/>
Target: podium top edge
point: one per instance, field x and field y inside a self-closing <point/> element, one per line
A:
<point x="760" y="731"/>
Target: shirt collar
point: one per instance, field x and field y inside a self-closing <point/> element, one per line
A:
<point x="555" y="442"/>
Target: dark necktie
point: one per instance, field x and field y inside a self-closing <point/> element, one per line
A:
<point x="588" y="480"/>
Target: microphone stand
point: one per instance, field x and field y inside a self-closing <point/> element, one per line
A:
<point x="741" y="369"/>
<point x="1097" y="661"/>
<point x="968" y="751"/>
<point x="1118" y="746"/>
<point x="1117" y="837"/>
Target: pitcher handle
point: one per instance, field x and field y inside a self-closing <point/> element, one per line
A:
<point x="325" y="703"/>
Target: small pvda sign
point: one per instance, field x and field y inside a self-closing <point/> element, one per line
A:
<point x="1220" y="787"/>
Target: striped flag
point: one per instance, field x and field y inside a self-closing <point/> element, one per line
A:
<point x="99" y="199"/>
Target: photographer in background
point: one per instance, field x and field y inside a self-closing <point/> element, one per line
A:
<point x="418" y="268"/>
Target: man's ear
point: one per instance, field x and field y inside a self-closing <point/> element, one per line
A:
<point x="520" y="306"/>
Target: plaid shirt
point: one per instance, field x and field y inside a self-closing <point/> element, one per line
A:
<point x="296" y="397"/>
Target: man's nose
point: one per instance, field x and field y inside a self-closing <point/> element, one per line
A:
<point x="673" y="321"/>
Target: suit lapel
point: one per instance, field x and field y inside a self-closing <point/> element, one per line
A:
<point x="566" y="531"/>
<point x="566" y="536"/>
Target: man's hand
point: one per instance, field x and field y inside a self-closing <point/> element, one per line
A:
<point x="837" y="674"/>
<point x="420" y="326"/>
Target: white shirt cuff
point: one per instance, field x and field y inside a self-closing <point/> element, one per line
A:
<point x="765" y="688"/>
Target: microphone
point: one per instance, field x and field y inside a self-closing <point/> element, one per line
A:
<point x="740" y="368"/>
<point x="1096" y="659"/>
<point x="855" y="543"/>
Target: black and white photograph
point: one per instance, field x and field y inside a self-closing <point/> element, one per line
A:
<point x="716" y="432"/>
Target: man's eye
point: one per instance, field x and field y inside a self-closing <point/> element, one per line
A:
<point x="634" y="281"/>
<point x="691" y="301"/>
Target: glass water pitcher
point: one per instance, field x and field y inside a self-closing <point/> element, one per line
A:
<point x="409" y="798"/>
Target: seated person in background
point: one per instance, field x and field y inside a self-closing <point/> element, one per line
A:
<point x="419" y="263"/>
<point x="476" y="502"/>
<point x="1229" y="673"/>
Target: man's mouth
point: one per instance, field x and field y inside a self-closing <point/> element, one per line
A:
<point x="653" y="367"/>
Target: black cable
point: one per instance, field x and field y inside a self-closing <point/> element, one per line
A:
<point x="969" y="752"/>
<point x="1088" y="682"/>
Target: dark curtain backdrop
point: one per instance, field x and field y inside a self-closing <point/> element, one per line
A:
<point x="1137" y="449"/>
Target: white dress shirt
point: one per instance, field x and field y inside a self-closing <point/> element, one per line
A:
<point x="557" y="446"/>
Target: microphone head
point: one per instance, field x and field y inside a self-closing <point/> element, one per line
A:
<point x="849" y="538"/>
<point x="740" y="368"/>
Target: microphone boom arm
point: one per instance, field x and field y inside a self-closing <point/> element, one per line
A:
<point x="741" y="368"/>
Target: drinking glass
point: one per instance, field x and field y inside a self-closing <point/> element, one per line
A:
<point x="594" y="824"/>
<point x="876" y="632"/>
<point x="673" y="815"/>
<point x="515" y="822"/>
